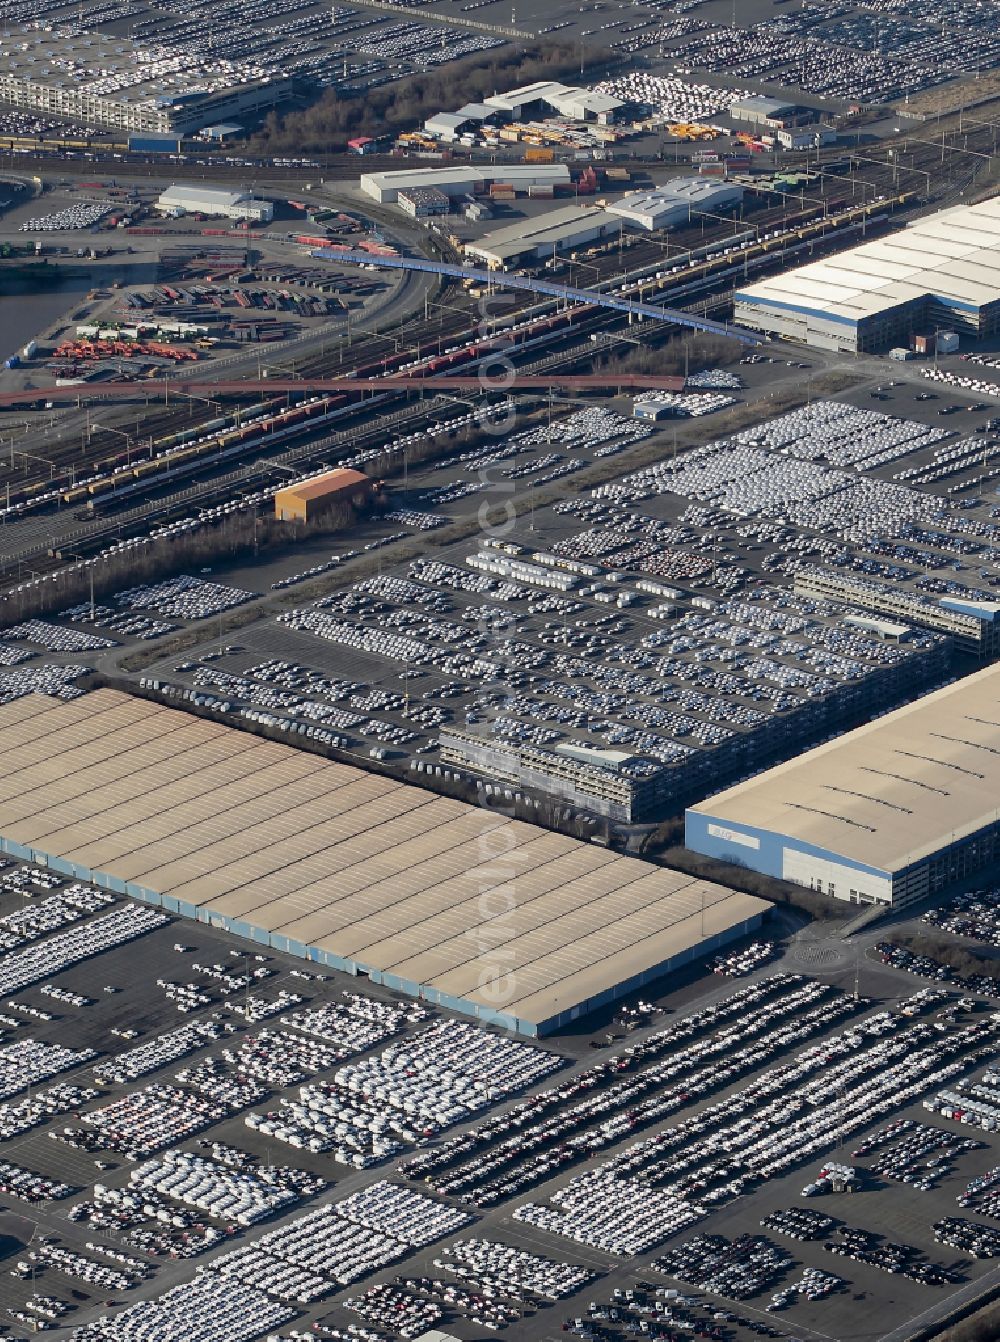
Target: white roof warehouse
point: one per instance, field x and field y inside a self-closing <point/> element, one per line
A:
<point x="943" y="270"/>
<point x="385" y="186"/>
<point x="886" y="814"/>
<point x="215" y="200"/>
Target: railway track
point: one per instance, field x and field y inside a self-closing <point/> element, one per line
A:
<point x="64" y="460"/>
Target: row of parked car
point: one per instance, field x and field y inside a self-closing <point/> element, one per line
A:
<point x="697" y="1070"/>
<point x="923" y="1157"/>
<point x="898" y="1259"/>
<point x="200" y="1310"/>
<point x="35" y="963"/>
<point x="734" y="1269"/>
<point x="927" y="967"/>
<point x="158" y="1052"/>
<point x="971" y="1237"/>
<point x="25" y="1062"/>
<point x="399" y="1311"/>
<point x="244" y="1196"/>
<point x="29" y="1186"/>
<point x="974" y="914"/>
<point x="38" y="1106"/>
<point x="39" y="917"/>
<point x="782" y="1117"/>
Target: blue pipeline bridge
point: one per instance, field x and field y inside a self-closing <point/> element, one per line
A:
<point x="500" y="279"/>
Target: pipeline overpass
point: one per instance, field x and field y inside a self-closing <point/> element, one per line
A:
<point x="501" y="279"/>
<point x="158" y="389"/>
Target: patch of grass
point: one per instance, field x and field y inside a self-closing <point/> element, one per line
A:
<point x="983" y="1326"/>
<point x="942" y="947"/>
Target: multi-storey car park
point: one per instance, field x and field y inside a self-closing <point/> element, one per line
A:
<point x="197" y="64"/>
<point x="973" y="626"/>
<point x="55" y="74"/>
<point x="888" y="814"/>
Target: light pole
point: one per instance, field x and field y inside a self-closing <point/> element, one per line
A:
<point x="109" y="428"/>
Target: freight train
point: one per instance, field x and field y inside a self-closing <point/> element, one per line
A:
<point x="217" y="440"/>
<point x="181" y="453"/>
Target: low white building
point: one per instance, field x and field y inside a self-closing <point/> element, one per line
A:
<point x="532" y="240"/>
<point x="217" y="201"/>
<point x="462" y="181"/>
<point x="548" y="97"/>
<point x="761" y="111"/>
<point x="806" y="137"/>
<point x="446" y="126"/>
<point x="676" y="203"/>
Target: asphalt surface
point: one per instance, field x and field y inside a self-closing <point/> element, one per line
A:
<point x="874" y="1306"/>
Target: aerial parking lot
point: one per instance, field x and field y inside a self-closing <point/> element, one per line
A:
<point x="638" y="599"/>
<point x="686" y="562"/>
<point x="197" y="1129"/>
<point x="355" y="982"/>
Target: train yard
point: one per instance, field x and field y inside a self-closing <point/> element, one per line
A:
<point x="107" y="463"/>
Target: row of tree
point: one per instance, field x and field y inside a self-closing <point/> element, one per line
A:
<point x="327" y="124"/>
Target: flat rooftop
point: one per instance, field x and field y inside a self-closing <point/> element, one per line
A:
<point x="892" y="792"/>
<point x="550" y="229"/>
<point x="479" y="912"/>
<point x="113" y="66"/>
<point x="953" y="256"/>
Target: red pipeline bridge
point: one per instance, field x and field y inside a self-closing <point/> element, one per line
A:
<point x="157" y="389"/>
<point x="501" y="279"/>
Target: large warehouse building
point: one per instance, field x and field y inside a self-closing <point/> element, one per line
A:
<point x="546" y="98"/>
<point x="462" y="181"/>
<point x="674" y="204"/>
<point x="532" y="240"/>
<point x="457" y="904"/>
<point x="887" y="814"/>
<point x="942" y="271"/>
<point x="216" y="202"/>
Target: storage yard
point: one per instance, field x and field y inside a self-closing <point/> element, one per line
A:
<point x="683" y="570"/>
<point x="202" y="1136"/>
<point x="400" y="666"/>
<point x="499" y="566"/>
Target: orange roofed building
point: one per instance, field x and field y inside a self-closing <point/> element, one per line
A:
<point x="308" y="499"/>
